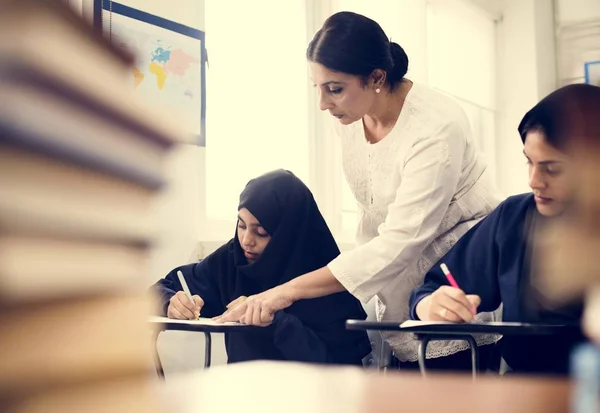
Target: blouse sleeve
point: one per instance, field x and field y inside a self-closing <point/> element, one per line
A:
<point x="430" y="177"/>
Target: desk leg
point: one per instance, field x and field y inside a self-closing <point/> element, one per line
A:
<point x="425" y="339"/>
<point x="422" y="356"/>
<point x="207" y="349"/>
<point x="157" y="364"/>
<point x="474" y="355"/>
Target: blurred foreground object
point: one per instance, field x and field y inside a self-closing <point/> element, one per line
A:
<point x="275" y="387"/>
<point x="81" y="164"/>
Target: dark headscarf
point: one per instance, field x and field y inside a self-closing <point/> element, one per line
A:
<point x="300" y="239"/>
<point x="309" y="330"/>
<point x="300" y="242"/>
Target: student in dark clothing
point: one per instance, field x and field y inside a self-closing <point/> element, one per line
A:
<point x="280" y="235"/>
<point x="492" y="262"/>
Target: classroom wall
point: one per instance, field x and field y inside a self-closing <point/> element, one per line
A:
<point x="578" y="37"/>
<point x="525" y="55"/>
<point x="542" y="45"/>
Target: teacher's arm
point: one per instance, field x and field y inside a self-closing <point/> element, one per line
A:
<point x="260" y="309"/>
<point x="430" y="175"/>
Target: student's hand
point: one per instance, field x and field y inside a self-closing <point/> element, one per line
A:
<point x="448" y="304"/>
<point x="259" y="309"/>
<point x="181" y="308"/>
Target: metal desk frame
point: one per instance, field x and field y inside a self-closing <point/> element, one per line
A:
<point x="207" y="330"/>
<point x="426" y="333"/>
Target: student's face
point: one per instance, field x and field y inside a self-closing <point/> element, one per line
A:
<point x="252" y="236"/>
<point x="550" y="176"/>
<point x="343" y="95"/>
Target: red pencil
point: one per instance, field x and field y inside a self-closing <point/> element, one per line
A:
<point x="449" y="276"/>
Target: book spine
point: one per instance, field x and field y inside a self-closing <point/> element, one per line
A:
<point x="146" y="174"/>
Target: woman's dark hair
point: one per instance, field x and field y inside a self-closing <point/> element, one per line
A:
<point x="354" y="44"/>
<point x="569" y="114"/>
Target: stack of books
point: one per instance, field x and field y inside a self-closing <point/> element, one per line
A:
<point x="81" y="164"/>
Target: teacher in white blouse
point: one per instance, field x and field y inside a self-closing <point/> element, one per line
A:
<point x="411" y="162"/>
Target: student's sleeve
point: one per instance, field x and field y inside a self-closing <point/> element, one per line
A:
<point x="296" y="341"/>
<point x="473" y="261"/>
<point x="430" y="176"/>
<point x="200" y="281"/>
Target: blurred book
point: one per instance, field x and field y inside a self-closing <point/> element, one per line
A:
<point x="45" y="195"/>
<point x="47" y="122"/>
<point x="132" y="394"/>
<point x="74" y="341"/>
<point x="40" y="268"/>
<point x="56" y="50"/>
<point x="81" y="166"/>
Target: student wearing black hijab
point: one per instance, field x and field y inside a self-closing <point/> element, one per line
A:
<point x="280" y="235"/>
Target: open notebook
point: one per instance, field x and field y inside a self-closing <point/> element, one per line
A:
<point x="200" y="321"/>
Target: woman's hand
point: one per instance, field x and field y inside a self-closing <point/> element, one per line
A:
<point x="448" y="304"/>
<point x="259" y="309"/>
<point x="180" y="307"/>
<point x="237" y="301"/>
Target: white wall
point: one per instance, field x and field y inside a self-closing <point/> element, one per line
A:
<point x="404" y="22"/>
<point x="578" y="34"/>
<point x="525" y="74"/>
<point x="540" y="48"/>
<point x="578" y="11"/>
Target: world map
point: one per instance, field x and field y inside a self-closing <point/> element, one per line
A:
<point x="167" y="69"/>
<point x="164" y="63"/>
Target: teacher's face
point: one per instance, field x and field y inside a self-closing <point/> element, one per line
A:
<point x="343" y="95"/>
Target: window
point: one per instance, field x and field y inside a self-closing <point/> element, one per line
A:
<point x="257" y="91"/>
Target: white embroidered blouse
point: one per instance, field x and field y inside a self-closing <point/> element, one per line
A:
<point x="418" y="191"/>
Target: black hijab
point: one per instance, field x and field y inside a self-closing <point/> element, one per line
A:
<point x="300" y="239"/>
<point x="300" y="242"/>
<point x="309" y="330"/>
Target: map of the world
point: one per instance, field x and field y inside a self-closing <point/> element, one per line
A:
<point x="167" y="70"/>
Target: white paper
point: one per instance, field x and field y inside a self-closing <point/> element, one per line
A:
<point x="417" y="323"/>
<point x="200" y="321"/>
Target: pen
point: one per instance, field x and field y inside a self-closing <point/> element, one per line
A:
<point x="449" y="276"/>
<point x="185" y="288"/>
